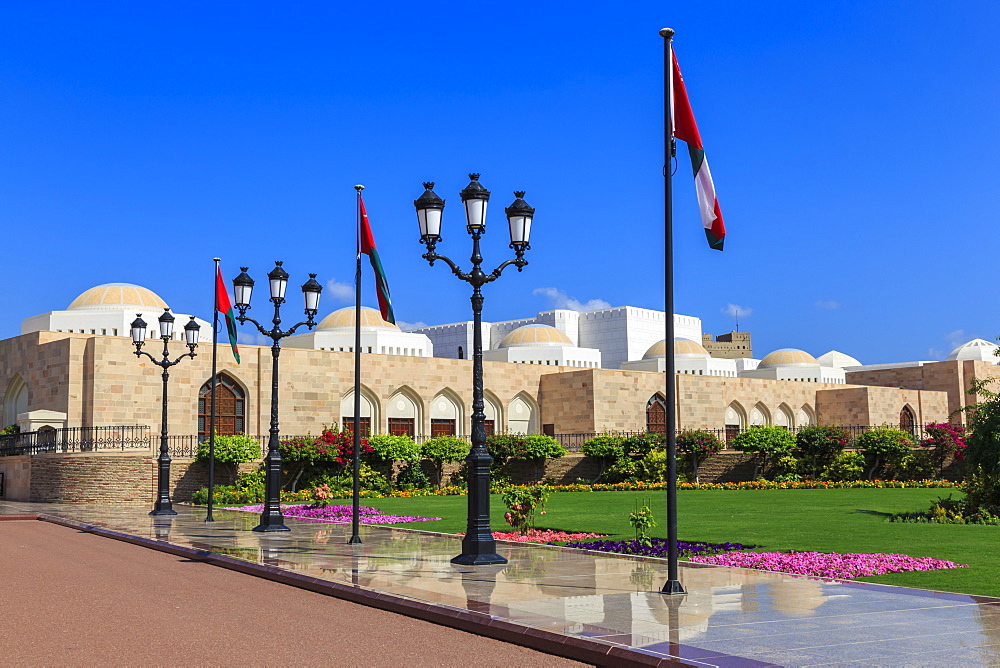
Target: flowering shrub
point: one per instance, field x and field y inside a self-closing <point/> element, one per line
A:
<point x="338" y="446"/>
<point x="944" y="439"/>
<point x="697" y="445"/>
<point x="766" y="442"/>
<point x="337" y="514"/>
<point x="850" y="565"/>
<point x="522" y="502"/>
<point x="657" y="547"/>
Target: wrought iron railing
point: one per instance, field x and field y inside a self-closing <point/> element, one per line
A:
<point x="76" y="439"/>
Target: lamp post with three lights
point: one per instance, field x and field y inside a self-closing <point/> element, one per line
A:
<point x="478" y="545"/>
<point x="191" y="329"/>
<point x="271" y="518"/>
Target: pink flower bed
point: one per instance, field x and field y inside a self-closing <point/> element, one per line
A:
<point x="336" y="514"/>
<point x="824" y="565"/>
<point x="541" y="536"/>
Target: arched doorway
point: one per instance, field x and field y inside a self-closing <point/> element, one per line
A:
<point x="230" y="407"/>
<point x="656" y="415"/>
<point x="907" y="421"/>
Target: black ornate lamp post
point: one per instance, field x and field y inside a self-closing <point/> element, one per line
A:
<point x="163" y="506"/>
<point x="478" y="546"/>
<point x="271" y="518"/>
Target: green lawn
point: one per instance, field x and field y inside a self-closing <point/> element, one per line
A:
<point x="828" y="520"/>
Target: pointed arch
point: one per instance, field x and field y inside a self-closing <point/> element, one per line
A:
<point x="522" y="414"/>
<point x="404" y="412"/>
<point x="806" y="416"/>
<point x="908" y="419"/>
<point x="447" y="413"/>
<point x="230" y="406"/>
<point x="656" y="414"/>
<point x="759" y="414"/>
<point x="15" y="399"/>
<point x="736" y="419"/>
<point x="494" y="414"/>
<point x="370" y="415"/>
<point x="783" y="417"/>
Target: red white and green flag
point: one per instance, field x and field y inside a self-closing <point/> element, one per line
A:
<point x="686" y="130"/>
<point x="367" y="246"/>
<point x="223" y="306"/>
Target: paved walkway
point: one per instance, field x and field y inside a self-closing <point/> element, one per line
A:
<point x="594" y="608"/>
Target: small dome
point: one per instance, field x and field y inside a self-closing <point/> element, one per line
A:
<point x="682" y="348"/>
<point x="535" y="335"/>
<point x="787" y="357"/>
<point x="117" y="296"/>
<point x="976" y="349"/>
<point x="344" y="319"/>
<point x="837" y="360"/>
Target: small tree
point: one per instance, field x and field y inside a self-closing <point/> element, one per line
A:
<point x="697" y="445"/>
<point x="884" y="444"/>
<point x="816" y="446"/>
<point x="606" y="449"/>
<point x="536" y="448"/>
<point x="444" y="450"/>
<point x="231" y="451"/>
<point x="766" y="443"/>
<point x="387" y="449"/>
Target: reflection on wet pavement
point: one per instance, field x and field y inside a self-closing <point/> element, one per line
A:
<point x="728" y="615"/>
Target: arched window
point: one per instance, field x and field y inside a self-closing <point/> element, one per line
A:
<point x="656" y="415"/>
<point x="461" y="353"/>
<point x="230" y="407"/>
<point x="906" y="420"/>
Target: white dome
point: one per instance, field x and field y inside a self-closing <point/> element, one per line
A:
<point x="787" y="357"/>
<point x="117" y="296"/>
<point x="344" y="319"/>
<point x="683" y="348"/>
<point x="535" y="335"/>
<point x="837" y="360"/>
<point x="976" y="349"/>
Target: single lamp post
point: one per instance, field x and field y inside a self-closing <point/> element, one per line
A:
<point x="166" y="322"/>
<point x="271" y="518"/>
<point x="478" y="545"/>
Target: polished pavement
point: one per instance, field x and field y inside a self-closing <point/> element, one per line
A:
<point x="729" y="616"/>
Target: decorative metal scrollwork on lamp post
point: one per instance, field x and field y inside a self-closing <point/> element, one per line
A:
<point x="271" y="518"/>
<point x="478" y="545"/>
<point x="191" y="329"/>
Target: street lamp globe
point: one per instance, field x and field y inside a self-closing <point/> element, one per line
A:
<point x="278" y="278"/>
<point x="191" y="330"/>
<point x="311" y="291"/>
<point x="429" y="209"/>
<point x="242" y="289"/>
<point x="138" y="330"/>
<point x="519" y="216"/>
<point x="166" y="324"/>
<point x="475" y="197"/>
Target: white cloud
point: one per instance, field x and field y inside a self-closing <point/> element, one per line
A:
<point x="828" y="304"/>
<point x="560" y="299"/>
<point x="253" y="338"/>
<point x="956" y="337"/>
<point x="737" y="311"/>
<point x="341" y="292"/>
<point x="406" y="326"/>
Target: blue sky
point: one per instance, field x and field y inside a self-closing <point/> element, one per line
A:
<point x="853" y="147"/>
